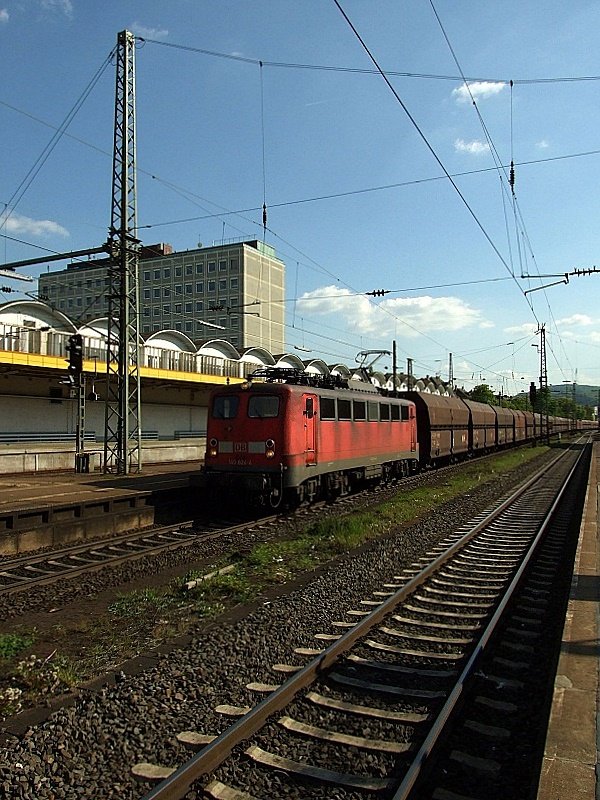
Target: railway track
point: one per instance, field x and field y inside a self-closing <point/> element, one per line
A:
<point x="378" y="693"/>
<point x="22" y="574"/>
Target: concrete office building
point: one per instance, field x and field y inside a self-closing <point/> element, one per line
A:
<point x="232" y="291"/>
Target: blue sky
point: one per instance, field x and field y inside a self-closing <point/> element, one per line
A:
<point x="446" y="259"/>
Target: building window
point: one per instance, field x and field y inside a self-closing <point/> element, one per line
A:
<point x="167" y="272"/>
<point x="156" y="311"/>
<point x="199" y="305"/>
<point x="233" y="303"/>
<point x="188" y="326"/>
<point x="211" y="286"/>
<point x="147" y="275"/>
<point x="212" y="266"/>
<point x="189" y="288"/>
<point x="146" y="329"/>
<point x="223" y="265"/>
<point x="178" y="308"/>
<point x="167" y="309"/>
<point x="146" y="294"/>
<point x="199" y="287"/>
<point x="223" y="284"/>
<point x="233" y="283"/>
<point x="179" y="289"/>
<point x="178" y="326"/>
<point x="178" y="272"/>
<point x="223" y="322"/>
<point x="155" y="327"/>
<point x="146" y="311"/>
<point x="233" y="265"/>
<point x="200" y="269"/>
<point x="156" y="274"/>
<point x="188" y="308"/>
<point x="156" y="292"/>
<point x="235" y="322"/>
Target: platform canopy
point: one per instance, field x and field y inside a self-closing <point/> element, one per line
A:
<point x="171" y="340"/>
<point x="34" y="314"/>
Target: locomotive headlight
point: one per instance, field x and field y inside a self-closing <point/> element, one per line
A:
<point x="213" y="451"/>
<point x="270" y="448"/>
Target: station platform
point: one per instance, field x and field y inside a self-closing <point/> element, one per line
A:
<point x="50" y="509"/>
<point x="570" y="764"/>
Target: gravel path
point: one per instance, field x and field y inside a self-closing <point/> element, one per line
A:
<point x="87" y="751"/>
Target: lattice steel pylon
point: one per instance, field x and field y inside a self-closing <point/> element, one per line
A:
<point x="544" y="412"/>
<point x="122" y="432"/>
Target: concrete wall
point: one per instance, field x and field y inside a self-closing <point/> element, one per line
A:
<point x="43" y="414"/>
<point x="16" y="458"/>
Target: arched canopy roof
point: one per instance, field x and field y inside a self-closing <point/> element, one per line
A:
<point x="171" y="340"/>
<point x="258" y="355"/>
<point x="316" y="366"/>
<point x="289" y="361"/>
<point x="378" y="379"/>
<point x="218" y="348"/>
<point x="19" y="312"/>
<point x="340" y="369"/>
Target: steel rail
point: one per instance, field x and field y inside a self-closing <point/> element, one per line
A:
<point x="425" y="751"/>
<point x="114" y="561"/>
<point x="212" y="755"/>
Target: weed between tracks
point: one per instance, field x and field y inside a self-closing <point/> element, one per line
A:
<point x="142" y="619"/>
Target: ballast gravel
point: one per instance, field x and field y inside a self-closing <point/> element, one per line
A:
<point x="88" y="749"/>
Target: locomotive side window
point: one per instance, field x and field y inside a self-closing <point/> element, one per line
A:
<point x="384" y="412"/>
<point x="395" y="413"/>
<point x="225" y="407"/>
<point x="327" y="408"/>
<point x="262" y="405"/>
<point x="360" y="409"/>
<point x="344" y="409"/>
<point x="373" y="409"/>
<point x="404" y="412"/>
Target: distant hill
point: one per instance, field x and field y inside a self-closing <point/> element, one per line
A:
<point x="584" y="395"/>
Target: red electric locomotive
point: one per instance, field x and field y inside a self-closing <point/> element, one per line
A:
<point x="287" y="434"/>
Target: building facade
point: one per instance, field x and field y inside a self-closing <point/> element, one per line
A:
<point x="234" y="291"/>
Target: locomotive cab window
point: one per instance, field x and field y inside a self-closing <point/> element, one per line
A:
<point x="405" y="410"/>
<point x="327" y="406"/>
<point x="225" y="407"/>
<point x="384" y="412"/>
<point x="263" y="405"/>
<point x="395" y="413"/>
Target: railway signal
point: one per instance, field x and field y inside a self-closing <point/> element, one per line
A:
<point x="75" y="353"/>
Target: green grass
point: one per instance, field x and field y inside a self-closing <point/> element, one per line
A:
<point x="11" y="644"/>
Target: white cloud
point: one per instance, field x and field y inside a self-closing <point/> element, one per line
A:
<point x="576" y="319"/>
<point x="16" y="223"/>
<point x="62" y="6"/>
<point x="542" y="144"/>
<point x="526" y="329"/>
<point x="3" y="15"/>
<point x="480" y="90"/>
<point x="475" y="148"/>
<point x="420" y="314"/>
<point x="148" y="33"/>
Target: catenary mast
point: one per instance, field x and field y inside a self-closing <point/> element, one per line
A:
<point x="122" y="443"/>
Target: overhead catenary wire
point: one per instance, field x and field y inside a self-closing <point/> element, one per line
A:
<point x="49" y="147"/>
<point x="359" y="70"/>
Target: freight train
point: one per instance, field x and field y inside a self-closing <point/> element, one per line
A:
<point x="290" y="436"/>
